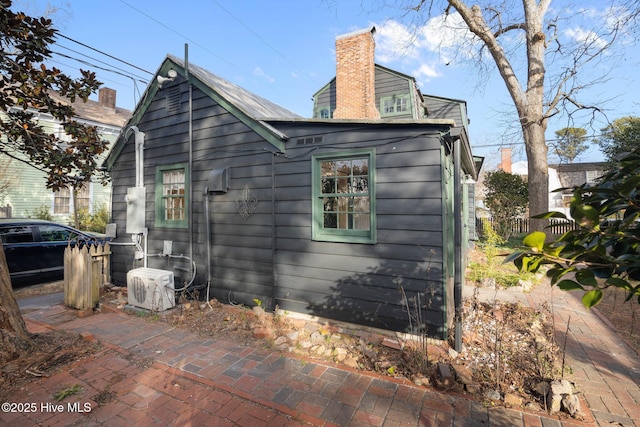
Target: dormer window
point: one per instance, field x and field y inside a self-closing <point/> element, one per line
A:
<point x="323" y="113"/>
<point x="394" y="105"/>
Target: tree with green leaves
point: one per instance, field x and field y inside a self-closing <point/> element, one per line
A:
<point x="506" y="197"/>
<point x="26" y="85"/>
<point x="604" y="251"/>
<point x="570" y="143"/>
<point x="621" y="136"/>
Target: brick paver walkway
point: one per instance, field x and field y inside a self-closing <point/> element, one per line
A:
<point x="151" y="373"/>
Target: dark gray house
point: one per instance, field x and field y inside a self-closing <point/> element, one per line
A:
<point x="330" y="216"/>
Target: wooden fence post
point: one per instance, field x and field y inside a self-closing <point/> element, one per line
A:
<point x="86" y="269"/>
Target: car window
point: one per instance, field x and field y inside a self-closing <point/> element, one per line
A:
<point x="55" y="233"/>
<point x="16" y="234"/>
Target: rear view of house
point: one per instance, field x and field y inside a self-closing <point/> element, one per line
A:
<point x="349" y="216"/>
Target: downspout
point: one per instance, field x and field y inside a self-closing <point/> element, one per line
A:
<point x="207" y="228"/>
<point x="190" y="220"/>
<point x="139" y="149"/>
<point x="457" y="278"/>
<point x="273" y="229"/>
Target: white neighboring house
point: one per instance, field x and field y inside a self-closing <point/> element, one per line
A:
<point x="564" y="175"/>
<point x="568" y="175"/>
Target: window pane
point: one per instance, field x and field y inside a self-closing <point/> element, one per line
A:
<point x="344" y="185"/>
<point x="327" y="168"/>
<point x="173" y="190"/>
<point x="328" y="185"/>
<point x="361" y="222"/>
<point x="360" y="166"/>
<point x="387" y="106"/>
<point x="343" y="168"/>
<point x="54" y="233"/>
<point x="361" y="204"/>
<point x="16" y="234"/>
<point x="360" y="184"/>
<point x="330" y="220"/>
<point x="330" y="204"/>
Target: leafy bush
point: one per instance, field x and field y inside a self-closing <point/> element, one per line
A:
<point x="96" y="222"/>
<point x="42" y="212"/>
<point x="604" y="251"/>
<point x="506" y="196"/>
<point x="494" y="248"/>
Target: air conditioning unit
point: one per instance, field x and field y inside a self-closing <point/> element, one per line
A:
<point x="151" y="289"/>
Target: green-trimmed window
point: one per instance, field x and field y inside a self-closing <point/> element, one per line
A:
<point x="172" y="196"/>
<point x="394" y="105"/>
<point x="323" y="113"/>
<point x="344" y="197"/>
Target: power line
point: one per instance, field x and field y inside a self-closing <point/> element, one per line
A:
<point x="141" y="79"/>
<point x="256" y="34"/>
<point x="97" y="66"/>
<point x="104" y="53"/>
<point x="179" y="34"/>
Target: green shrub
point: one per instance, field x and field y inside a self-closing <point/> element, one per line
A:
<point x="42" y="212"/>
<point x="96" y="222"/>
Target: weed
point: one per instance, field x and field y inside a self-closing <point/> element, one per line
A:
<point x="62" y="394"/>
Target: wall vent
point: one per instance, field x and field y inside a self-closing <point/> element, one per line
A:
<point x="309" y="140"/>
<point x="174" y="103"/>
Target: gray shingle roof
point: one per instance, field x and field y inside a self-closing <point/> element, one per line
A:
<point x="254" y="105"/>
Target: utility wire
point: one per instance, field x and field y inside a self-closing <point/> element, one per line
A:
<point x="104" y="53"/>
<point x="256" y="34"/>
<point x="96" y="66"/>
<point x="179" y="34"/>
<point x="141" y="79"/>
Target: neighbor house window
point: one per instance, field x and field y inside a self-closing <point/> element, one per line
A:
<point x="172" y="196"/>
<point x="344" y="197"/>
<point x="63" y="200"/>
<point x="394" y="105"/>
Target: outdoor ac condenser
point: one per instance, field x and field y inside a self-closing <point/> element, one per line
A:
<point x="151" y="289"/>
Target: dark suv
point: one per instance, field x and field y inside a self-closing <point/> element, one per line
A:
<point x="35" y="248"/>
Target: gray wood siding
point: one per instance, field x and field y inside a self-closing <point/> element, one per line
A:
<point x="360" y="282"/>
<point x="442" y="108"/>
<point x="326" y="98"/>
<point x="387" y="84"/>
<point x="241" y="248"/>
<point x="270" y="254"/>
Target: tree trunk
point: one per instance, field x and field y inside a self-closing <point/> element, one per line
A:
<point x="14" y="338"/>
<point x="529" y="100"/>
<point x="538" y="174"/>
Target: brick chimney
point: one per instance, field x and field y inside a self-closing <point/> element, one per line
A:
<point x="107" y="98"/>
<point x="355" y="76"/>
<point x="505" y="165"/>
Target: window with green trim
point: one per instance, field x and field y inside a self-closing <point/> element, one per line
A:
<point x="323" y="113"/>
<point x="344" y="197"/>
<point x="172" y="194"/>
<point x="394" y="105"/>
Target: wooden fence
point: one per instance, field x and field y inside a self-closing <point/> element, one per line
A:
<point x="5" y="211"/>
<point x="521" y="225"/>
<point x="86" y="269"/>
